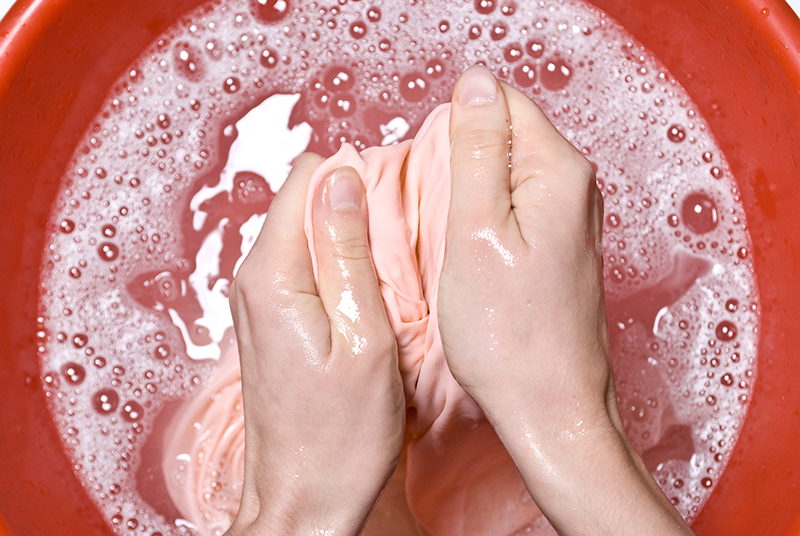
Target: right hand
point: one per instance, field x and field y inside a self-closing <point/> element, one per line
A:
<point x="522" y="313"/>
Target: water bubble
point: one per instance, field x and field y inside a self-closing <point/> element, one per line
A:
<point x="512" y="52"/>
<point x="343" y="105"/>
<point x="706" y="482"/>
<point x="707" y="157"/>
<point x="100" y="173"/>
<point x="508" y="9"/>
<point x="434" y="68"/>
<point x="105" y="401"/>
<point x="555" y="74"/>
<point x="269" y="58"/>
<point x="742" y="252"/>
<point x="108" y="230"/>
<point x="699" y="213"/>
<point x="66" y="226"/>
<point x="672" y="220"/>
<point x="162" y="351"/>
<point x="484" y="7"/>
<point x="108" y="251"/>
<point x="444" y="26"/>
<point x="676" y="133"/>
<point x="73" y="372"/>
<point x="474" y="32"/>
<point x="358" y="29"/>
<point x="716" y="172"/>
<point x="525" y="74"/>
<point x="413" y="87"/>
<point x="132" y="411"/>
<point x="726" y="379"/>
<point x="114" y="489"/>
<point x="726" y="331"/>
<point x="732" y="305"/>
<point x="99" y="361"/>
<point x="132" y="523"/>
<point x="270" y="11"/>
<point x="374" y="14"/>
<point x="79" y="340"/>
<point x="231" y="84"/>
<point x="188" y="62"/>
<point x="534" y="48"/>
<point x="498" y="31"/>
<point x="613" y="220"/>
<point x="339" y="78"/>
<point x="385" y="45"/>
<point x="74" y="272"/>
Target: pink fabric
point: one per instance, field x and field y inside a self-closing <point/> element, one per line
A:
<point x="460" y="480"/>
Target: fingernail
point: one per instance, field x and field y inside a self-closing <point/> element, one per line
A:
<point x="345" y="189"/>
<point x="478" y="86"/>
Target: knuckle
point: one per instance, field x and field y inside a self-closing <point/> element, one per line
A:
<point x="352" y="247"/>
<point x="484" y="143"/>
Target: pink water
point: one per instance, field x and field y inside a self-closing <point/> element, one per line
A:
<point x="169" y="186"/>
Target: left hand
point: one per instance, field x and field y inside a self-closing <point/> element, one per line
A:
<point x="323" y="399"/>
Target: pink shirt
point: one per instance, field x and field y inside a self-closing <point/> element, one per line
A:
<point x="460" y="480"/>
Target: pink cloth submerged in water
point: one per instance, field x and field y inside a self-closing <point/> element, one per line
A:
<point x="460" y="480"/>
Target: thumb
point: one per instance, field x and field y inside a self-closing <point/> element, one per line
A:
<point x="348" y="285"/>
<point x="480" y="136"/>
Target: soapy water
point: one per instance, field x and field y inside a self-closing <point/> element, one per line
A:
<point x="169" y="188"/>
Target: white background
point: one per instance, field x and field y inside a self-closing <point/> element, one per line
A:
<point x="5" y="5"/>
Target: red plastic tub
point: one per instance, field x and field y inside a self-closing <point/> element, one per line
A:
<point x="738" y="59"/>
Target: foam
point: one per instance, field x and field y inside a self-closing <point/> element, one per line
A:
<point x="166" y="135"/>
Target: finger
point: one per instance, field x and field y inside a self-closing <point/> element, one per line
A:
<point x="281" y="247"/>
<point x="539" y="151"/>
<point x="348" y="285"/>
<point x="480" y="135"/>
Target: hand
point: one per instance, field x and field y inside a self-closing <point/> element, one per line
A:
<point x="522" y="314"/>
<point x="323" y="400"/>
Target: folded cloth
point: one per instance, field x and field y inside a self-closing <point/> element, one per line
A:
<point x="460" y="480"/>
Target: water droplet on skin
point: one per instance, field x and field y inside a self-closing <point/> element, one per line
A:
<point x="699" y="213"/>
<point x="672" y="220"/>
<point x="707" y="482"/>
<point x="74" y="272"/>
<point x="108" y="230"/>
<point x="105" y="401"/>
<point x="474" y="32"/>
<point x="374" y="14"/>
<point x="444" y="26"/>
<point x="726" y="331"/>
<point x="613" y="220"/>
<point x="716" y="172"/>
<point x="676" y="133"/>
<point x="742" y="253"/>
<point x="732" y="305"/>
